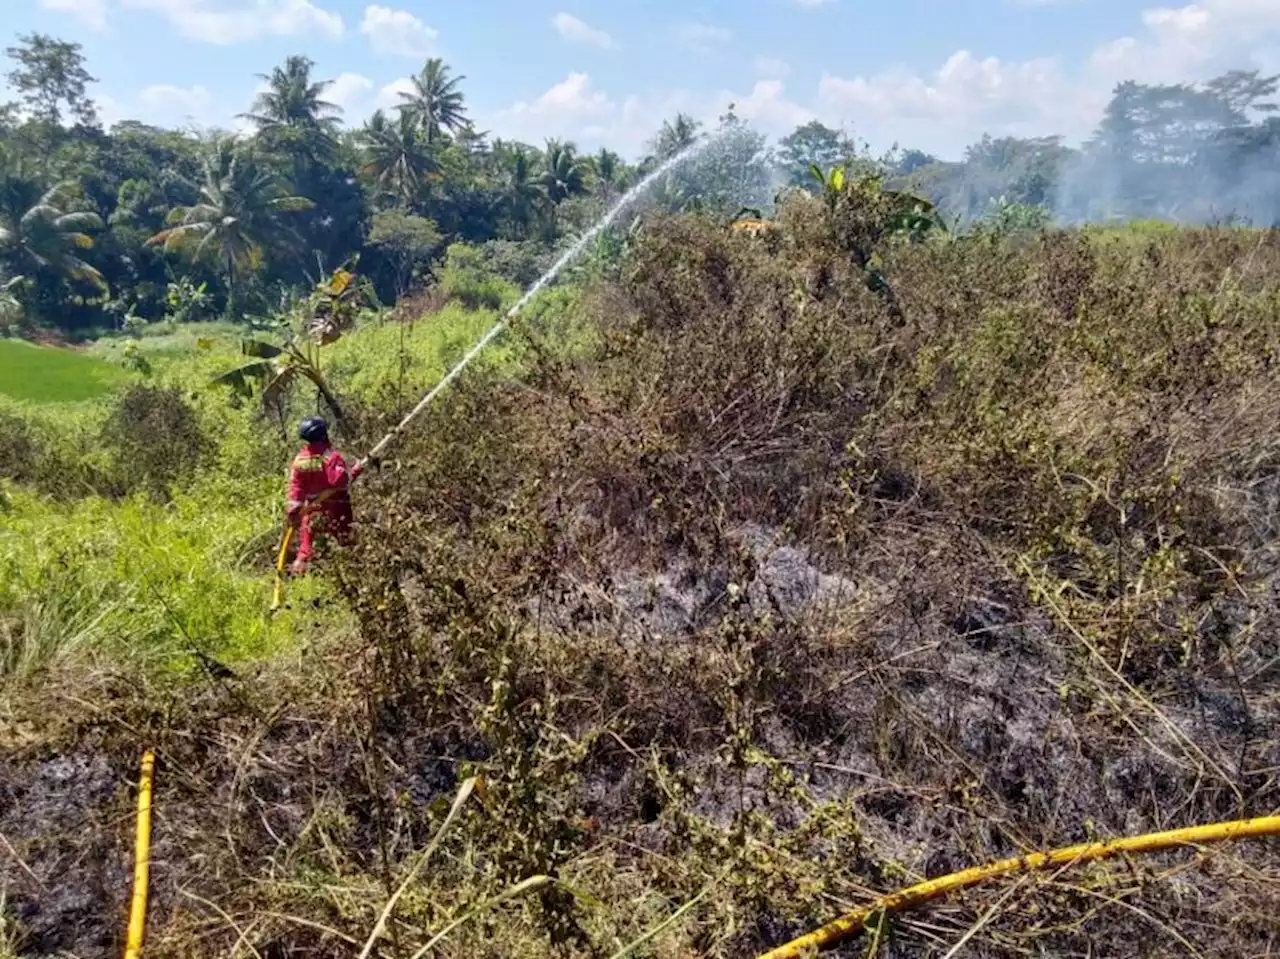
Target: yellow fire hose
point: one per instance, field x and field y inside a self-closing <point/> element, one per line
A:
<point x="141" y="860"/>
<point x="277" y="600"/>
<point x="846" y="926"/>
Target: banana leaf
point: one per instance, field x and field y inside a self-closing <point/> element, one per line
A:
<point x="242" y="378"/>
<point x="263" y="351"/>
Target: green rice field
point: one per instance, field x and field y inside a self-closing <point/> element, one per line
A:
<point x="44" y="374"/>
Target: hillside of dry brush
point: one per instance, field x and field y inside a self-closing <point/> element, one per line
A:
<point x="777" y="594"/>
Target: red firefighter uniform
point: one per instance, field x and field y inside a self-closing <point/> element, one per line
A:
<point x="319" y="502"/>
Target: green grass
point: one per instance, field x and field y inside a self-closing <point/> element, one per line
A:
<point x="148" y="581"/>
<point x="46" y="375"/>
<point x="164" y="342"/>
<point x="141" y="581"/>
<point x="367" y="364"/>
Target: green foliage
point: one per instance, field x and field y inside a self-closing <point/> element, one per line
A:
<point x="42" y="632"/>
<point x="565" y="173"/>
<point x="50" y="77"/>
<point x="675" y="136"/>
<point x="132" y="358"/>
<point x="258" y="221"/>
<point x="187" y="302"/>
<point x="1005" y="216"/>
<point x="1044" y="466"/>
<point x="275" y="370"/>
<point x="138" y="581"/>
<point x="390" y="364"/>
<point x="405" y="245"/>
<point x="466" y="278"/>
<point x="239" y="215"/>
<point x="293" y="100"/>
<point x="44" y="234"/>
<point x="336" y="302"/>
<point x="813" y="145"/>
<point x="433" y="101"/>
<point x="10" y="306"/>
<point x="400" y="160"/>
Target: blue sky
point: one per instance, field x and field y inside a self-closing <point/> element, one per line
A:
<point x="934" y="75"/>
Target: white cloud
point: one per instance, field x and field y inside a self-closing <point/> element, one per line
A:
<point x="967" y="96"/>
<point x="388" y="97"/>
<point x="398" y="32"/>
<point x="574" y="109"/>
<point x="575" y="31"/>
<point x="1185" y="43"/>
<point x="943" y="112"/>
<point x="768" y="108"/>
<point x="163" y="103"/>
<point x="1185" y="20"/>
<point x="92" y="13"/>
<point x="236" y="21"/>
<point x="771" y="67"/>
<point x="568" y="109"/>
<point x="109" y="112"/>
<point x="702" y="37"/>
<point x="164" y="95"/>
<point x="812" y="4"/>
<point x="350" y="91"/>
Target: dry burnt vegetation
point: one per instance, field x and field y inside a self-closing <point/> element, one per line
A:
<point x="777" y="594"/>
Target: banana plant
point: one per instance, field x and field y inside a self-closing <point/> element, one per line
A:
<point x="335" y="304"/>
<point x="275" y="369"/>
<point x="10" y="305"/>
<point x="864" y="214"/>
<point x="331" y="311"/>
<point x="832" y="184"/>
<point x="899" y="211"/>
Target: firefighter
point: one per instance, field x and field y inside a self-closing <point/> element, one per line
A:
<point x="318" y="503"/>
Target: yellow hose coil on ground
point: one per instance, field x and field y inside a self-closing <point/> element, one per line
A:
<point x="141" y="860"/>
<point x="840" y="929"/>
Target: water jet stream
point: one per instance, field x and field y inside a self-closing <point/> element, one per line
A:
<point x="566" y="258"/>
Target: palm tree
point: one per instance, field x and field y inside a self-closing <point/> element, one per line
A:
<point x="292" y="115"/>
<point x="237" y="216"/>
<point x="292" y="99"/>
<point x="435" y="103"/>
<point x="399" y="159"/>
<point x="521" y="191"/>
<point x="607" y="171"/>
<point x="472" y="141"/>
<point x="40" y="231"/>
<point x="675" y="136"/>
<point x="564" y="174"/>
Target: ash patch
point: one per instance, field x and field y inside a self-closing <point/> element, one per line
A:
<point x="788" y="583"/>
<point x="61" y="816"/>
<point x="679" y="600"/>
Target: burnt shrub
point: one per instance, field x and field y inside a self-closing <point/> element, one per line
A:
<point x="35" y="459"/>
<point x="155" y="440"/>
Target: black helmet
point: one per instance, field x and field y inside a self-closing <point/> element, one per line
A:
<point x="314" y="430"/>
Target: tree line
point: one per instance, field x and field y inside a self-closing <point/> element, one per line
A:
<point x="98" y="227"/>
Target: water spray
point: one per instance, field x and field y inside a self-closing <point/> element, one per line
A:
<point x="546" y="279"/>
